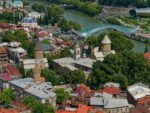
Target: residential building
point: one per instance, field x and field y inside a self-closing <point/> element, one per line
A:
<point x="29" y="22"/>
<point x="112" y="88"/>
<point x="138" y="94"/>
<point x="17" y="4"/>
<point x="28" y="64"/>
<point x="10" y="110"/>
<point x="147" y="56"/>
<point x="140" y="109"/>
<point x="3" y="57"/>
<point x="34" y="15"/>
<point x="82" y="89"/>
<point x="16" y="53"/>
<point x="108" y="104"/>
<point x="27" y="86"/>
<point x="20" y="107"/>
<point x="13" y="72"/>
<point x="81" y="109"/>
<point x="50" y="49"/>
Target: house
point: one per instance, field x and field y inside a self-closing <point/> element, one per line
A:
<point x="28" y="87"/>
<point x="81" y="109"/>
<point x="50" y="49"/>
<point x="29" y="22"/>
<point x="10" y="110"/>
<point x="82" y="89"/>
<point x="34" y="15"/>
<point x="13" y="72"/>
<point x="138" y="94"/>
<point x="112" y="88"/>
<point x="20" y="107"/>
<point x="28" y="64"/>
<point x="4" y="26"/>
<point x="147" y="56"/>
<point x="17" y="4"/>
<point x="15" y="52"/>
<point x="3" y="57"/>
<point x="4" y="78"/>
<point x="108" y="104"/>
<point x="42" y="34"/>
<point x="140" y="109"/>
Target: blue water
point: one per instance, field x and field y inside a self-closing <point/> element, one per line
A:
<point x="92" y="26"/>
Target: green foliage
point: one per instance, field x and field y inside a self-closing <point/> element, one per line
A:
<point x="20" y="36"/>
<point x="38" y="7"/>
<point x="55" y="13"/>
<point x="51" y="76"/>
<point x="36" y="106"/>
<point x="77" y="77"/>
<point x="68" y="25"/>
<point x="126" y="3"/>
<point x="61" y="95"/>
<point x="65" y="53"/>
<point x="45" y="42"/>
<point x="126" y="68"/>
<point x="85" y="7"/>
<point x="6" y="97"/>
<point x="119" y="41"/>
<point x="113" y="21"/>
<point x="29" y="73"/>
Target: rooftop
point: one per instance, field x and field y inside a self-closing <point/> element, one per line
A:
<point x="138" y="91"/>
<point x="42" y="91"/>
<point x="3" y="51"/>
<point x="13" y="70"/>
<point x="106" y="40"/>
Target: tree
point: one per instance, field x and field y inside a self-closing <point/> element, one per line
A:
<point x="36" y="106"/>
<point x="65" y="53"/>
<point x="51" y="76"/>
<point x="77" y="77"/>
<point x="6" y="97"/>
<point x="29" y="73"/>
<point x="55" y="13"/>
<point x="61" y="95"/>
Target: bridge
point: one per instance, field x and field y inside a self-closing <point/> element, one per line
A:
<point x="127" y="31"/>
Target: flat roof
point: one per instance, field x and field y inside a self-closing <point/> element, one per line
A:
<point x="138" y="90"/>
<point x="42" y="91"/>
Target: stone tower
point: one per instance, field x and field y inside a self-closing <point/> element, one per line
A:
<point x="106" y="45"/>
<point x="77" y="52"/>
<point x="38" y="51"/>
<point x="37" y="72"/>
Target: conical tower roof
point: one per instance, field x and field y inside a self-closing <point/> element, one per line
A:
<point x="106" y="40"/>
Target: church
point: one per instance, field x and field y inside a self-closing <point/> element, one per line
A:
<point x="83" y="62"/>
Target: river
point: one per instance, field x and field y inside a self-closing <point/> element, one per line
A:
<point x="90" y="25"/>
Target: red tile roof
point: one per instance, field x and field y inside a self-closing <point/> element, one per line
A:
<point x="2" y="110"/>
<point x="82" y="88"/>
<point x="111" y="90"/>
<point x="140" y="109"/>
<point x="147" y="55"/>
<point x="5" y="77"/>
<point x="81" y="109"/>
<point x="12" y="70"/>
<point x="3" y="50"/>
<point x="18" y="106"/>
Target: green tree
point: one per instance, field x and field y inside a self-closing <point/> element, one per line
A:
<point x="51" y="76"/>
<point x="6" y="97"/>
<point x="61" y="95"/>
<point x="77" y="77"/>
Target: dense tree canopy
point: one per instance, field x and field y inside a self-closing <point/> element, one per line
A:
<point x="20" y="36"/>
<point x="6" y="97"/>
<point x="36" y="106"/>
<point x="51" y="76"/>
<point x="61" y="95"/>
<point x="137" y="3"/>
